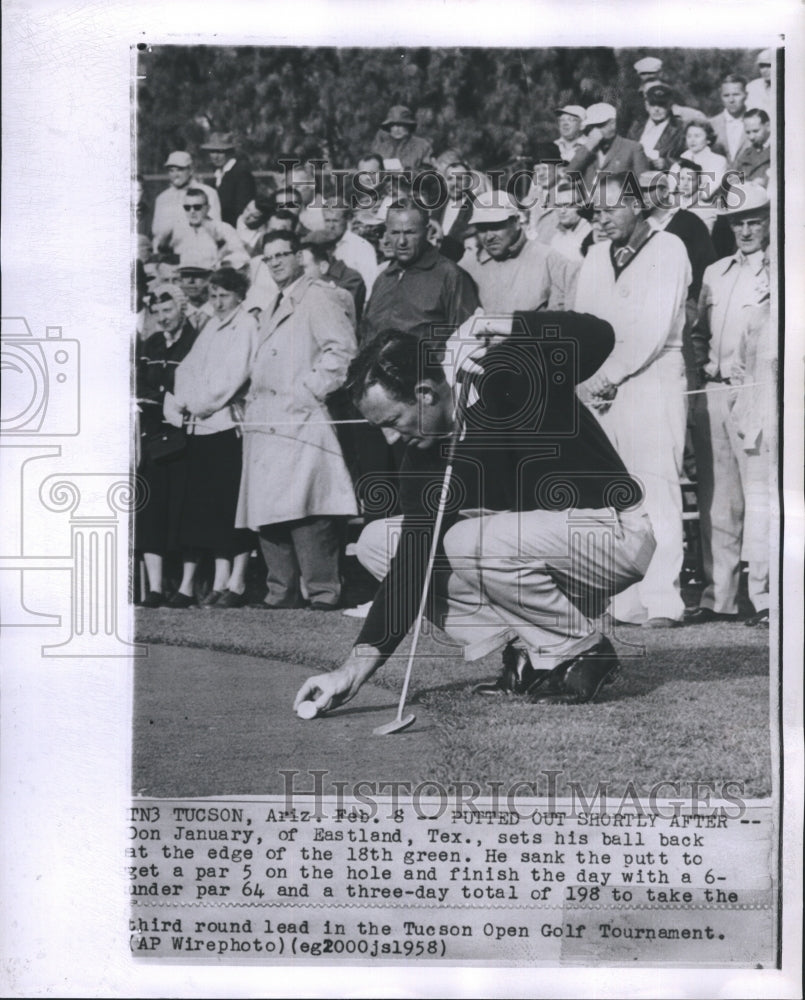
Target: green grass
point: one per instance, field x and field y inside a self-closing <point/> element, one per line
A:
<point x="695" y="707"/>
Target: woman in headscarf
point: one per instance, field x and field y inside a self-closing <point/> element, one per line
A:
<point x="207" y="395"/>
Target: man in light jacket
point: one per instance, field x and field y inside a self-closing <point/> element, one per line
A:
<point x="295" y="482"/>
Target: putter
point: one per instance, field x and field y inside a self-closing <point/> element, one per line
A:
<point x="401" y="721"/>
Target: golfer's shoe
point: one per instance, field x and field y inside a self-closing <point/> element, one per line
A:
<point x="518" y="676"/>
<point x="587" y="673"/>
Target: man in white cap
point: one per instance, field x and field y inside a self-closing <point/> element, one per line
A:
<point x="511" y="271"/>
<point x="638" y="282"/>
<point x="604" y="151"/>
<point x="168" y="208"/>
<point x="194" y="281"/>
<point x="758" y="91"/>
<point x="570" y="122"/>
<point x="728" y="287"/>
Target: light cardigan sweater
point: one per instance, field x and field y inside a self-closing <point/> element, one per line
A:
<point x="210" y="380"/>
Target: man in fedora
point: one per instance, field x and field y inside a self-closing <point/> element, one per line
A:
<point x="729" y="286"/>
<point x="604" y="151"/>
<point x="169" y="204"/>
<point x="233" y="179"/>
<point x="395" y="140"/>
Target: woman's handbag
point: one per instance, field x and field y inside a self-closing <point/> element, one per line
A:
<point x="168" y="442"/>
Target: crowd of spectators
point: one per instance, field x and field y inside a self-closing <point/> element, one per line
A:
<point x="252" y="300"/>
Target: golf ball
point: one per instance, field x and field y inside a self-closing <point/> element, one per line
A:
<point x="307" y="710"/>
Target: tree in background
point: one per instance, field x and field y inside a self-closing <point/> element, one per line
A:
<point x="491" y="104"/>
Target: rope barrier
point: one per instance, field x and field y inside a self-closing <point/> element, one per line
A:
<point x="247" y="425"/>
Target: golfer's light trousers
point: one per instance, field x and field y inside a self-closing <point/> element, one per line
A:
<point x="525" y="576"/>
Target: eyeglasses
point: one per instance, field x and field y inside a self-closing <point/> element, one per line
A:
<point x="277" y="256"/>
<point x="195" y="208"/>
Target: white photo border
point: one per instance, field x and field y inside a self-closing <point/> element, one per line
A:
<point x="66" y="754"/>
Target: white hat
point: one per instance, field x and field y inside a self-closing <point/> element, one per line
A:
<point x="599" y="114"/>
<point x="744" y="198"/>
<point x="179" y="159"/>
<point x="649" y="64"/>
<point x="494" y="206"/>
<point x="572" y="109"/>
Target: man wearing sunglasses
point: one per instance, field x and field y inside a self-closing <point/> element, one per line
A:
<point x="168" y="204"/>
<point x="197" y="235"/>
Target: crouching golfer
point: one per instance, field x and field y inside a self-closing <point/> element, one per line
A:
<point x="542" y="522"/>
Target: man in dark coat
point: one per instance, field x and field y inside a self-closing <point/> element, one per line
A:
<point x="661" y="134"/>
<point x="605" y="151"/>
<point x="421" y="291"/>
<point x="233" y="179"/>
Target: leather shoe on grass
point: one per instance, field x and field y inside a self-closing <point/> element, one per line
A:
<point x="517" y="677"/>
<point x="180" y="601"/>
<point x="588" y="672"/>
<point x="282" y="606"/>
<point x="323" y="606"/>
<point x="758" y="618"/>
<point x="229" y="599"/>
<point x="154" y="599"/>
<point x="211" y="600"/>
<point x="703" y="616"/>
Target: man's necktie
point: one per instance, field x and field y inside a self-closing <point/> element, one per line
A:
<point x="277" y="303"/>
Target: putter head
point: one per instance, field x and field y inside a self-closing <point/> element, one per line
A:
<point x="395" y="726"/>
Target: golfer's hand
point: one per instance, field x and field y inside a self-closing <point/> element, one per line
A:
<point x="471" y="341"/>
<point x="327" y="691"/>
<point x="330" y="690"/>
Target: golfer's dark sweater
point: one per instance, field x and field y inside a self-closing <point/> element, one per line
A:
<point x="528" y="445"/>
